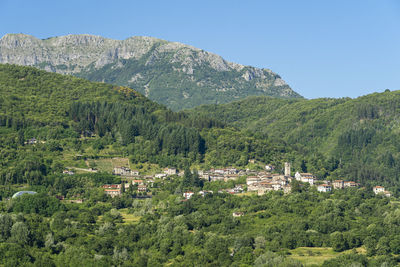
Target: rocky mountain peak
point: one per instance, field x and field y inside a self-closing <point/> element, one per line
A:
<point x="147" y="64"/>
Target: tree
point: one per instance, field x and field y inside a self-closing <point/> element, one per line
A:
<point x="5" y="227"/>
<point x="259" y="242"/>
<point x="216" y="248"/>
<point x="122" y="187"/>
<point x="12" y="254"/>
<point x="130" y="189"/>
<point x="196" y="179"/>
<point x="383" y="247"/>
<point x="49" y="240"/>
<point x="395" y="244"/>
<point x="303" y="166"/>
<point x="187" y="178"/>
<point x="370" y="245"/>
<point x="20" y="233"/>
<point x="338" y="242"/>
<point x="295" y="186"/>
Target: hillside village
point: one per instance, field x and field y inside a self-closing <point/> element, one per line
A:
<point x="259" y="182"/>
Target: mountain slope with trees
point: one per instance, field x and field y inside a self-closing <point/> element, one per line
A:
<point x="71" y="221"/>
<point x="72" y="116"/>
<point x="351" y="138"/>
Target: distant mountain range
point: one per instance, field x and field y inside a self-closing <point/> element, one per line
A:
<point x="174" y="74"/>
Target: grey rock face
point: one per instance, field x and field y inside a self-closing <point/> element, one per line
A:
<point x="71" y="50"/>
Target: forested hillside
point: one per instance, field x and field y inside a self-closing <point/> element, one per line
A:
<point x="41" y="97"/>
<point x="61" y="137"/>
<point x="352" y="138"/>
<point x="333" y="138"/>
<point x="71" y="116"/>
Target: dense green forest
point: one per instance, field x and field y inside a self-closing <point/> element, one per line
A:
<point x="79" y="124"/>
<point x="333" y="138"/>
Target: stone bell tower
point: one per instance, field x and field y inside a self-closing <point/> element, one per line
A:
<point x="287" y="169"/>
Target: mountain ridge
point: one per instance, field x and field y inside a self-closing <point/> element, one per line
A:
<point x="171" y="73"/>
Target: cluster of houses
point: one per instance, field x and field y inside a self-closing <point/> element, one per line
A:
<point x="188" y="194"/>
<point x="268" y="182"/>
<point x="263" y="183"/>
<point x="117" y="189"/>
<point x="33" y="141"/>
<point x="236" y="190"/>
<point x="257" y="181"/>
<point x="69" y="172"/>
<point x="225" y="174"/>
<point x="125" y="171"/>
<point x="134" y="178"/>
<point x="337" y="184"/>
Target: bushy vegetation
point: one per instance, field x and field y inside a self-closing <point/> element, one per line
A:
<point x="200" y="231"/>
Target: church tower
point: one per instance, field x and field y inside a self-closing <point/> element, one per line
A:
<point x="287" y="169"/>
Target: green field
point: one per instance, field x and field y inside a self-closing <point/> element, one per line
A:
<point x="314" y="256"/>
<point x="129" y="217"/>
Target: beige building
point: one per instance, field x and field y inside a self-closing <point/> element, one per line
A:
<point x="324" y="188"/>
<point x="378" y="189"/>
<point x="338" y="184"/>
<point x="112" y="192"/>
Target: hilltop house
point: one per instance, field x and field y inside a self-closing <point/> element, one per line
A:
<point x="269" y="167"/>
<point x="112" y="192"/>
<point x="125" y="171"/>
<point x="205" y="192"/>
<point x="231" y="177"/>
<point x="188" y="194"/>
<point x="378" y="189"/>
<point x="324" y="188"/>
<point x="160" y="175"/>
<point x="305" y="177"/>
<point x="216" y="177"/>
<point x="264" y="189"/>
<point x="338" y="184"/>
<point x="350" y="184"/>
<point x="111" y="186"/>
<point x="137" y="182"/>
<point x="282" y="180"/>
<point x="31" y="141"/>
<point x="142" y="188"/>
<point x="68" y="172"/>
<point x="170" y="171"/>
<point x="381" y="190"/>
<point x="252" y="179"/>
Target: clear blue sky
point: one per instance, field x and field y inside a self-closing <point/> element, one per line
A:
<point x="331" y="48"/>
